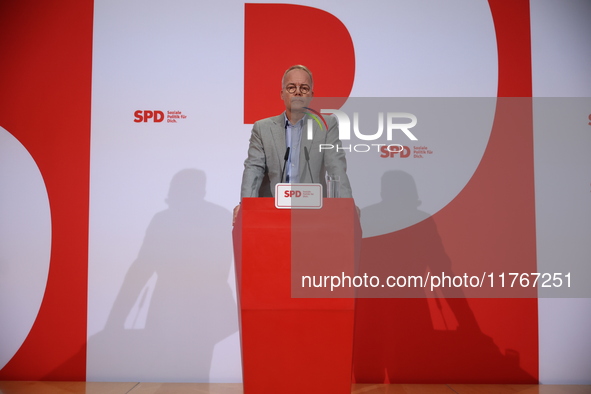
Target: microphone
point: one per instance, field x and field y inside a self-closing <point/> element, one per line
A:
<point x="284" y="163"/>
<point x="308" y="163"/>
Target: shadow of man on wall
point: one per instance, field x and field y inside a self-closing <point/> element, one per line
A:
<point x="401" y="336"/>
<point x="175" y="303"/>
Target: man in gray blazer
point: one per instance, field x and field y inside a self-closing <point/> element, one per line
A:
<point x="306" y="163"/>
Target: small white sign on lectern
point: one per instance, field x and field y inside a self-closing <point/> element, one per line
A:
<point x="298" y="196"/>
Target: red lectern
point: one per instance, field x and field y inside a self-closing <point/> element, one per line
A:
<point x="295" y="345"/>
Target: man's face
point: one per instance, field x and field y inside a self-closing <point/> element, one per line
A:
<point x="301" y="97"/>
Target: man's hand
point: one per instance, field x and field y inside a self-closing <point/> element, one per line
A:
<point x="235" y="213"/>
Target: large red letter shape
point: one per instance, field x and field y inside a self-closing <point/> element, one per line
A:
<point x="278" y="36"/>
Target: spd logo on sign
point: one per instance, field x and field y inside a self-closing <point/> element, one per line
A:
<point x="298" y="196"/>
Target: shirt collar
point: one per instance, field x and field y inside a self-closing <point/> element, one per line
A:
<point x="288" y="123"/>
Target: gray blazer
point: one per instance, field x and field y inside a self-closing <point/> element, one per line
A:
<point x="266" y="152"/>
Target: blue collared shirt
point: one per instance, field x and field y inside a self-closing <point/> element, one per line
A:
<point x="293" y="139"/>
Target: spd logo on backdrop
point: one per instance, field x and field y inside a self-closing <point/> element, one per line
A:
<point x="157" y="116"/>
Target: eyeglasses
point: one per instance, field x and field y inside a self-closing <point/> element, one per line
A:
<point x="291" y="89"/>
